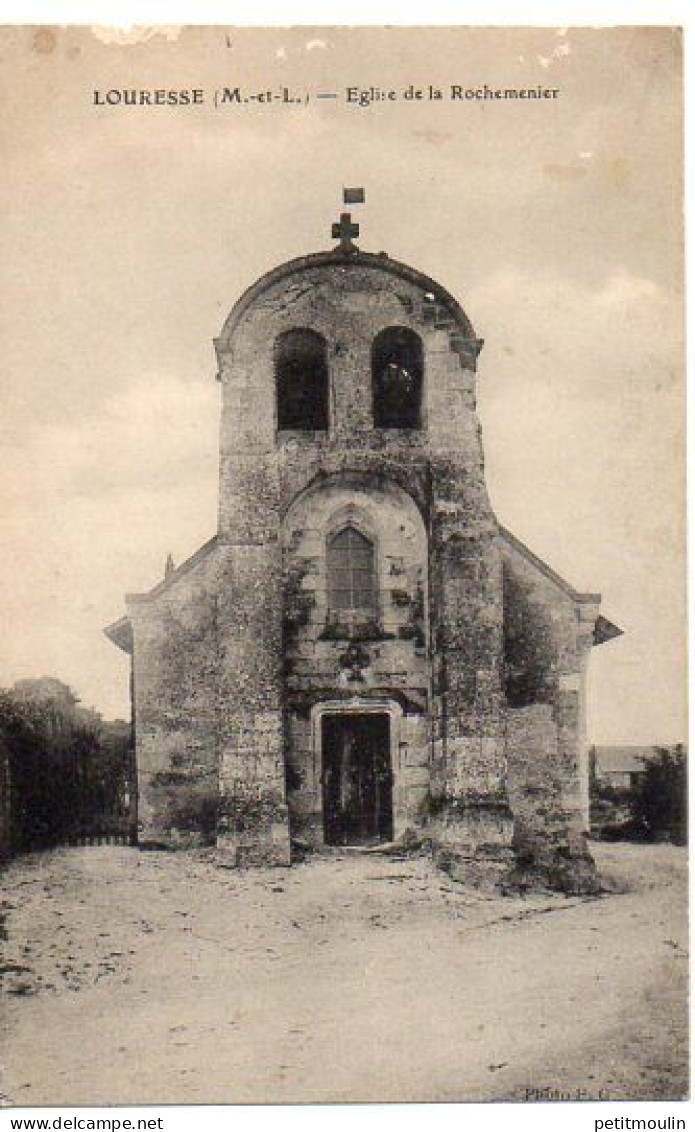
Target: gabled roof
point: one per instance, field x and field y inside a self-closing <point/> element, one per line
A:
<point x="176" y="573"/>
<point x="121" y="631"/>
<point x="604" y="630"/>
<point x="547" y="571"/>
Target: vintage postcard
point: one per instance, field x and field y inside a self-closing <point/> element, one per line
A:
<point x="343" y="668"/>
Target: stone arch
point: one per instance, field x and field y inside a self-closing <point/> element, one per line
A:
<point x="351" y="515"/>
<point x="384" y="513"/>
<point x="359" y="482"/>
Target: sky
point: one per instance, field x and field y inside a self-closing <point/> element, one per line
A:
<point x="130" y="232"/>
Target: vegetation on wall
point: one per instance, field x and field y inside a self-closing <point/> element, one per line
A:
<point x="187" y="802"/>
<point x="298" y="601"/>
<point x="247" y="814"/>
<point x="528" y="646"/>
<point x="354" y="629"/>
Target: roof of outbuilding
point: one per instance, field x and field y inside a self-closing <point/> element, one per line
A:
<point x="621" y="759"/>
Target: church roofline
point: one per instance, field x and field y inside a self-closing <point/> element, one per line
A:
<point x="550" y="574"/>
<point x="338" y="257"/>
<point x="198" y="555"/>
<point x="604" y="630"/>
<point x="120" y="633"/>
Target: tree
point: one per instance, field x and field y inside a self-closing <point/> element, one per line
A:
<point x="660" y="802"/>
<point x="69" y="771"/>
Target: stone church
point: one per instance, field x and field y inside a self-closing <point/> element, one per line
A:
<point x="362" y="654"/>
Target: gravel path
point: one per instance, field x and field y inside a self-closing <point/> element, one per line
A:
<point x="134" y="977"/>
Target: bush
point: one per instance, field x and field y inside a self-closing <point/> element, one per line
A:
<point x="69" y="772"/>
<point x="660" y="801"/>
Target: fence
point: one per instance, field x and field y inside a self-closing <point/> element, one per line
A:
<point x="87" y="800"/>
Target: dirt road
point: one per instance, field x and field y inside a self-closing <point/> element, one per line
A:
<point x="147" y="977"/>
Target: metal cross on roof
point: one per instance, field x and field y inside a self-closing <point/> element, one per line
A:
<point x="344" y="231"/>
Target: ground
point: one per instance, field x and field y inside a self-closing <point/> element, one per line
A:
<point x="138" y="977"/>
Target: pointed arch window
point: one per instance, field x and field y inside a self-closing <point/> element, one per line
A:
<point x="397" y="378"/>
<point x="301" y="379"/>
<point x="351" y="574"/>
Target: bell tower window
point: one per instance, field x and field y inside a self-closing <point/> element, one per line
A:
<point x="397" y="373"/>
<point x="301" y="380"/>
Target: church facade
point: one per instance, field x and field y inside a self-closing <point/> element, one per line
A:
<point x="362" y="654"/>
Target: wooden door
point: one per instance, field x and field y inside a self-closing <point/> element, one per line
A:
<point x="357" y="780"/>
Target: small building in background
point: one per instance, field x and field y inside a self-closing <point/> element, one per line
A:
<point x="621" y="767"/>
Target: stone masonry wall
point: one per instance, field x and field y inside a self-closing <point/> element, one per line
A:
<point x="175" y="699"/>
<point x="253" y="811"/>
<point x="382" y="661"/>
<point x="440" y="467"/>
<point x="547" y="635"/>
<point x="477" y="651"/>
